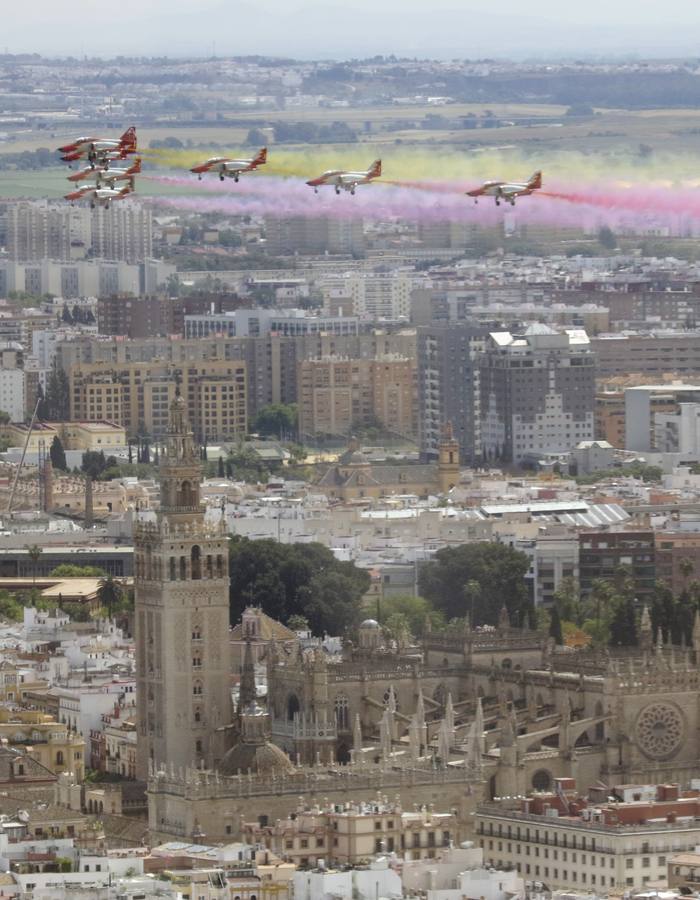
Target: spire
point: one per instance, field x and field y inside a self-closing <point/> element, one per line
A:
<point x="479" y="726"/>
<point x="473" y="756"/>
<point x="420" y="709"/>
<point x="444" y="741"/>
<point x="450" y="713"/>
<point x="414" y="744"/>
<point x="385" y="734"/>
<point x="696" y="632"/>
<point x="247" y="693"/>
<point x="645" y="635"/>
<point x="357" y="734"/>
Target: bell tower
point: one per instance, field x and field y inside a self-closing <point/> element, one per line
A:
<point x="448" y="459"/>
<point x="182" y="616"/>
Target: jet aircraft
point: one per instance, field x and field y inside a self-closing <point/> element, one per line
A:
<point x="100" y="150"/>
<point x="507" y="190"/>
<point x="99" y="196"/>
<point x="346" y="181"/>
<point x="231" y="168"/>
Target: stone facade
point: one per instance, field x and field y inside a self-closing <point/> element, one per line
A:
<point x="182" y="610"/>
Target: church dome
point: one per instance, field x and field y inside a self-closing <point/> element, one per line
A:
<point x="254" y="751"/>
<point x="263" y="758"/>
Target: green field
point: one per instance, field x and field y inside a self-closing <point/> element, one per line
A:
<point x="52" y="185"/>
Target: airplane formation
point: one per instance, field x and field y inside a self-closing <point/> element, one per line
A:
<point x="99" y="153"/>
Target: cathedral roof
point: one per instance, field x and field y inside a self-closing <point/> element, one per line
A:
<point x="269" y="629"/>
<point x="399" y="475"/>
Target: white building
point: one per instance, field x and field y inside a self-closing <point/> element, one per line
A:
<point x="374" y="881"/>
<point x="13" y="393"/>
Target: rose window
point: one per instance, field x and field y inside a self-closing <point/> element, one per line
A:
<point x="659" y="730"/>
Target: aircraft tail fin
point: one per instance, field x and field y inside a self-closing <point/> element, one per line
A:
<point x="375" y="170"/>
<point x="261" y="158"/>
<point x="136" y="168"/>
<point x="129" y="137"/>
<point x="535" y="181"/>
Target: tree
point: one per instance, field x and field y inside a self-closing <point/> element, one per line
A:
<point x="73" y="570"/>
<point x="93" y="463"/>
<point x="555" y="626"/>
<point x="416" y="612"/>
<point x="109" y="594"/>
<point x="498" y="570"/>
<point x="57" y="454"/>
<point x="57" y="396"/>
<point x="298" y="623"/>
<point x="295" y="579"/>
<point x="472" y="595"/>
<point x="256" y="138"/>
<point x="34" y="552"/>
<point x="277" y="420"/>
<point x="567" y="599"/>
<point x="606" y="238"/>
<point x="623" y="624"/>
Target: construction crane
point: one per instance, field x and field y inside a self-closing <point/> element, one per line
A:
<point x="8" y="510"/>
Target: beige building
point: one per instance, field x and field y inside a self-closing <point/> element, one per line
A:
<point x="46" y="740"/>
<point x="141" y="393"/>
<point x="350" y="832"/>
<point x="354" y="477"/>
<point x="567" y="842"/>
<point x="83" y="436"/>
<point x="337" y="395"/>
<point x="684" y="870"/>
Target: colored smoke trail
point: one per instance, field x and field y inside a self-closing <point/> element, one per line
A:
<point x="639" y="207"/>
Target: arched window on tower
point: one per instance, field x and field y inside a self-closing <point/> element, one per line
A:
<point x="183" y="569"/>
<point x="173" y="569"/>
<point x="209" y="566"/>
<point x="342" y="716"/>
<point x="197" y="688"/>
<point x="219" y="566"/>
<point x="196" y="563"/>
<point x="186" y="494"/>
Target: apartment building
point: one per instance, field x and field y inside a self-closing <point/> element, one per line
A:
<point x="139" y="394"/>
<point x="347" y="833"/>
<point x="537" y="393"/>
<point x="448" y="386"/>
<point x="648" y="353"/>
<point x="337" y="394"/>
<point x="40" y="229"/>
<point x="603" y="553"/>
<point x="591" y="843"/>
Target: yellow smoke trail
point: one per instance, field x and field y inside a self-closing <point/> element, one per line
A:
<point x="451" y="163"/>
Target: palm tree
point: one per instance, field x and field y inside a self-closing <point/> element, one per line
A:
<point x="472" y="595"/>
<point x="686" y="569"/>
<point x="109" y="593"/>
<point x="34" y="552"/>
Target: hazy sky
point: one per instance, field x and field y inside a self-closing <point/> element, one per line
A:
<point x="316" y="29"/>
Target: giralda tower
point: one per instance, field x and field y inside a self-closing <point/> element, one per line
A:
<point x="182" y="616"/>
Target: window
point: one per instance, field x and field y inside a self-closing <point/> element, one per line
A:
<point x="645" y="862"/>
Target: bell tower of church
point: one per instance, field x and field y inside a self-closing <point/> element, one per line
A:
<point x="182" y="616"/>
<point x="448" y="459"/>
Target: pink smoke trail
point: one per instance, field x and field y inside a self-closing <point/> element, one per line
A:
<point x="640" y="208"/>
